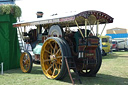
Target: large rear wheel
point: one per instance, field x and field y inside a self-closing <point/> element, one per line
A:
<point x="93" y="71"/>
<point x="26" y="62"/>
<point x="52" y="58"/>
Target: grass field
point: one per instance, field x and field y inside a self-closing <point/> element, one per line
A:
<point x="114" y="71"/>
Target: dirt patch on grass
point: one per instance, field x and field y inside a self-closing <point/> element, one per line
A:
<point x="125" y="55"/>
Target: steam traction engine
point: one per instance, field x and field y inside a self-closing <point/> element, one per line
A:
<point x="60" y="42"/>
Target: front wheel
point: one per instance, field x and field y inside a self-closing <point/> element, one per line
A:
<point x="52" y="58"/>
<point x="26" y="62"/>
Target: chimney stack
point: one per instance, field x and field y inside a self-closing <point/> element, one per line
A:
<point x="39" y="14"/>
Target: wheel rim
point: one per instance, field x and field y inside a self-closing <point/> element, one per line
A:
<point x="51" y="58"/>
<point x="25" y="62"/>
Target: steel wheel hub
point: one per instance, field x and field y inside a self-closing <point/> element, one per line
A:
<point x="53" y="58"/>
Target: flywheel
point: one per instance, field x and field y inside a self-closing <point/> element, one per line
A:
<point x="55" y="30"/>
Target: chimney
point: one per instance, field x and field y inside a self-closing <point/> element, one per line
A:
<point x="39" y="14"/>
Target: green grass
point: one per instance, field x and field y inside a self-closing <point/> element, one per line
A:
<point x="114" y="71"/>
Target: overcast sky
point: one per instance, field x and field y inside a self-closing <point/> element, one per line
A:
<point x="115" y="8"/>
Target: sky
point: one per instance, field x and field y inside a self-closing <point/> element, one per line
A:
<point x="115" y="8"/>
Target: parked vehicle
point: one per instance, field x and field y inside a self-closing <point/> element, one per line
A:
<point x="122" y="43"/>
<point x="59" y="43"/>
<point x="115" y="45"/>
<point x="106" y="44"/>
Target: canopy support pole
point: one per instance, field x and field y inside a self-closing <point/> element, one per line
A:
<point x="91" y="27"/>
<point x="97" y="29"/>
<point x="24" y="28"/>
<point x="103" y="29"/>
<point x="79" y="29"/>
<point x="85" y="27"/>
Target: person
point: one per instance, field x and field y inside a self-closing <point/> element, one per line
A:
<point x="27" y="46"/>
<point x="37" y="49"/>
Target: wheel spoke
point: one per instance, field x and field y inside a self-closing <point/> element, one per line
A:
<point x="53" y="70"/>
<point x="51" y="52"/>
<point x="57" y="68"/>
<point x="59" y="57"/>
<point x="24" y="58"/>
<point x="59" y="63"/>
<point x="49" y="68"/>
<point x="51" y="46"/>
<point x="25" y="62"/>
<point x="26" y="66"/>
<point x="47" y="51"/>
<point x="57" y="51"/>
<point x="47" y="60"/>
<point x="55" y="48"/>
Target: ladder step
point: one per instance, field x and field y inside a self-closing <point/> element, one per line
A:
<point x="21" y="45"/>
<point x="73" y="66"/>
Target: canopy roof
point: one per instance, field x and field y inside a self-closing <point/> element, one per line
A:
<point x="91" y="16"/>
